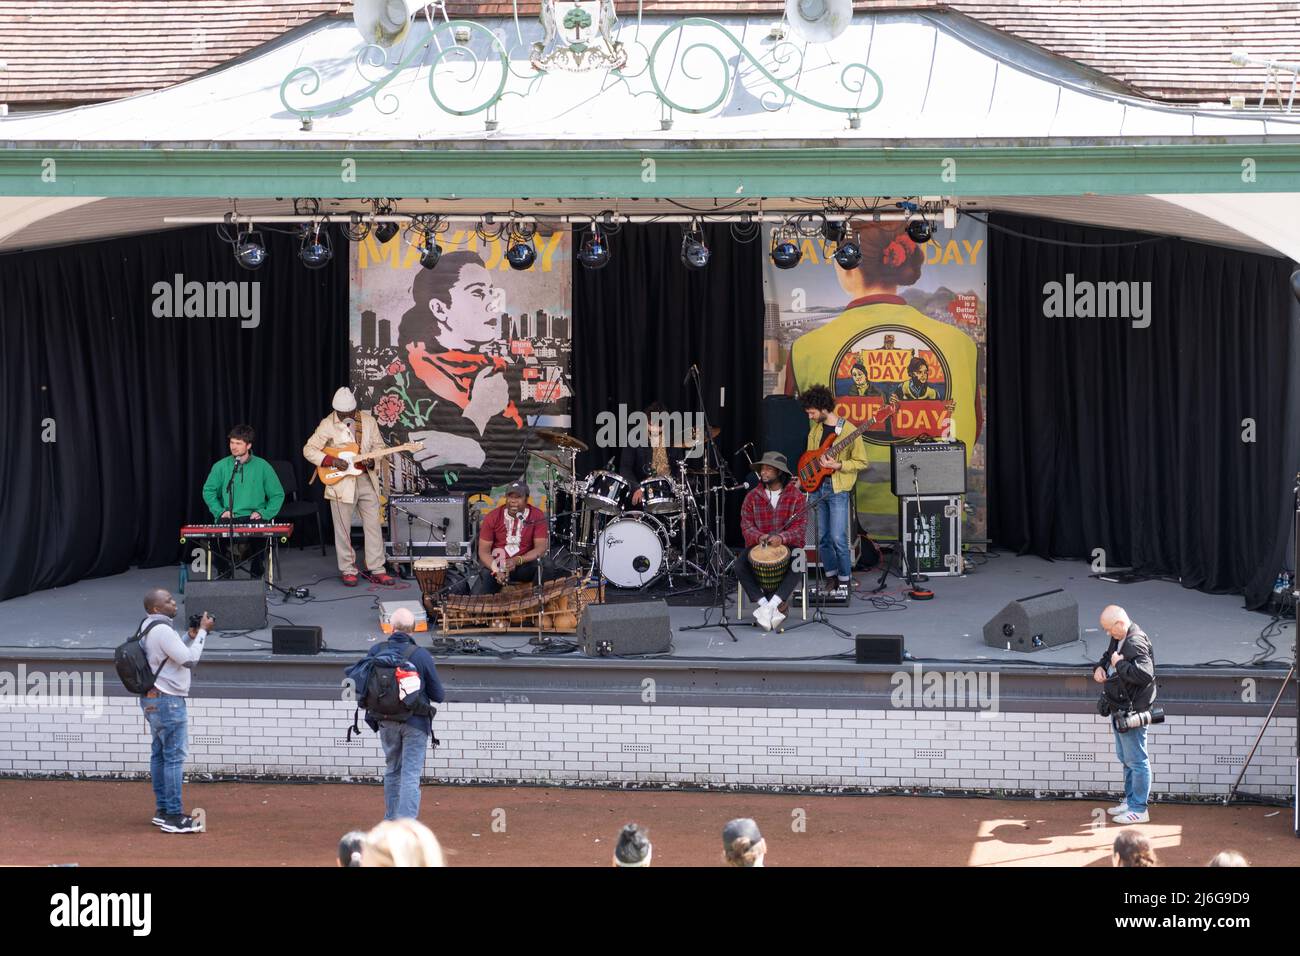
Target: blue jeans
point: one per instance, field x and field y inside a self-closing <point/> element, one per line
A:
<point x="169" y="726"/>
<point x="1131" y="748"/>
<point x="832" y="511"/>
<point x="405" y="748"/>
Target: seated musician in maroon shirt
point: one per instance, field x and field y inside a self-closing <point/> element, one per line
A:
<point x="512" y="544"/>
<point x="771" y="514"/>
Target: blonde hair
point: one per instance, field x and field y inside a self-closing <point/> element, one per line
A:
<point x="740" y="852"/>
<point x="1229" y="858"/>
<point x="404" y="842"/>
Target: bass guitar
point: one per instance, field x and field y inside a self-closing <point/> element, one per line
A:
<point x="348" y="457"/>
<point x="811" y="472"/>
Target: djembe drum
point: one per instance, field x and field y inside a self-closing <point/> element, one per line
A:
<point x="431" y="573"/>
<point x="770" y="562"/>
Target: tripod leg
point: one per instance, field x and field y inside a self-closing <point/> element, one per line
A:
<point x="1267" y="720"/>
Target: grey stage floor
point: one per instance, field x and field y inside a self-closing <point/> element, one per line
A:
<point x="1188" y="627"/>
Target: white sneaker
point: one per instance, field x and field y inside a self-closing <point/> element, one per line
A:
<point x="763" y="615"/>
<point x="1131" y="817"/>
<point x="777" y="618"/>
<point x="1118" y="809"/>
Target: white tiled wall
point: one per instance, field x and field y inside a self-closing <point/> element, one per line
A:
<point x="752" y="747"/>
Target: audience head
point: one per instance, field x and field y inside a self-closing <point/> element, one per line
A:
<point x="404" y="842"/>
<point x="1132" y="849"/>
<point x="351" y="847"/>
<point x="633" y="847"/>
<point x="1229" y="858"/>
<point x="742" y="844"/>
<point x="402" y="620"/>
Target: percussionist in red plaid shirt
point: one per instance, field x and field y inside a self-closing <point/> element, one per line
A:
<point x="773" y="513"/>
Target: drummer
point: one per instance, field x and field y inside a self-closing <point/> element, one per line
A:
<point x="771" y="514"/>
<point x="655" y="459"/>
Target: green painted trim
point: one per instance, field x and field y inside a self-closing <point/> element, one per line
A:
<point x="503" y="170"/>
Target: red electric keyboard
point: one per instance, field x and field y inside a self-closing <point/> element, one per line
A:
<point x="240" y="529"/>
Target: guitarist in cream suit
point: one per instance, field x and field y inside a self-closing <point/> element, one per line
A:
<point x="347" y="426"/>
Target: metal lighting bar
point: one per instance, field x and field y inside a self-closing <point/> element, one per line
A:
<point x="501" y="220"/>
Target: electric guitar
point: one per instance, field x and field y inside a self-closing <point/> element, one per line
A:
<point x="347" y="454"/>
<point x="811" y="473"/>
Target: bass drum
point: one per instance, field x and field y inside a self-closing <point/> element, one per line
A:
<point x="630" y="550"/>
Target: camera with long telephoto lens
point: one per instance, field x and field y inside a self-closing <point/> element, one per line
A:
<point x="1123" y="723"/>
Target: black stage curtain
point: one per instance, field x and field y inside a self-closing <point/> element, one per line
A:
<point x="642" y="321"/>
<point x="141" y="405"/>
<point x="1102" y="435"/>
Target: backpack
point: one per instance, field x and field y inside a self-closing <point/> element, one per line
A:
<point x="132" y="662"/>
<point x="391" y="688"/>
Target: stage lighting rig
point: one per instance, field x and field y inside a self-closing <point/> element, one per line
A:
<point x="594" y="250"/>
<point x="521" y="253"/>
<point x="785" y="251"/>
<point x="425" y="229"/>
<point x="315" y="251"/>
<point x="695" y="254"/>
<point x="848" y="254"/>
<point x="250" y="250"/>
<point x="385" y="231"/>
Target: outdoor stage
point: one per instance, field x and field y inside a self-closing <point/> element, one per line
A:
<point x="779" y="711"/>
<point x="1187" y="627"/>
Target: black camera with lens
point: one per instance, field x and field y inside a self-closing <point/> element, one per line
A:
<point x="1131" y="720"/>
<point x="197" y="619"/>
<point x="1104" y="706"/>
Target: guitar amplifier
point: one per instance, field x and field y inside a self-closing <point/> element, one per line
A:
<point x="433" y="526"/>
<point x="940" y="468"/>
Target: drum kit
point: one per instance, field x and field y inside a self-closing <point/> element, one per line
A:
<point x="672" y="529"/>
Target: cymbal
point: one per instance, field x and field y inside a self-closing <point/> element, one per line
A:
<point x="560" y="465"/>
<point x="560" y="439"/>
<point x="695" y="438"/>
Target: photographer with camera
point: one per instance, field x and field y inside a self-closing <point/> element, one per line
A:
<point x="1127" y="672"/>
<point x="171" y="659"/>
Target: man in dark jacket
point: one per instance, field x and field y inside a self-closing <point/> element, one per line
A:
<point x="1128" y="670"/>
<point x="406" y="743"/>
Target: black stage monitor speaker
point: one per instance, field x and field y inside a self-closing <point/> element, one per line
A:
<point x="1034" y="622"/>
<point x="623" y="630"/>
<point x="879" y="648"/>
<point x="236" y="605"/>
<point x="940" y="468"/>
<point x="296" y="640"/>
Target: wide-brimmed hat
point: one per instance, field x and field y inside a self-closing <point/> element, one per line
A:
<point x="775" y="459"/>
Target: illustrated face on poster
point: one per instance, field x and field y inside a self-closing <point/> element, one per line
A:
<point x="464" y="357"/>
<point x="898" y="340"/>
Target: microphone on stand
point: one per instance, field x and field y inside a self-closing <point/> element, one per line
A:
<point x="689" y="372"/>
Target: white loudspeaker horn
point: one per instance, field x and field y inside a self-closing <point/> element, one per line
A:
<point x="818" y="21"/>
<point x="385" y="22"/>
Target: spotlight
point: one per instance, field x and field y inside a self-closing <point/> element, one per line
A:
<point x="695" y="254"/>
<point x="919" y="231"/>
<point x="848" y="254"/>
<point x="786" y="255"/>
<point x="520" y="253"/>
<point x="250" y="251"/>
<point x="315" y="253"/>
<point x="594" y="253"/>
<point x="385" y="231"/>
<point x="430" y="252"/>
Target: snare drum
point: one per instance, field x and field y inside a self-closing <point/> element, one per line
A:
<point x="607" y="492"/>
<point x="659" y="495"/>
